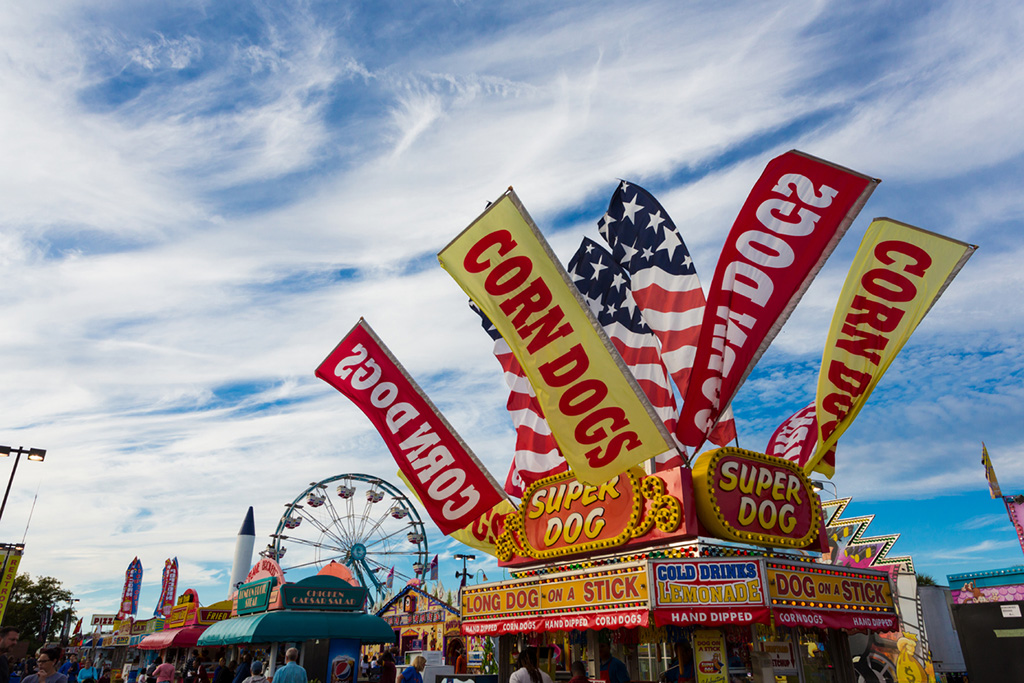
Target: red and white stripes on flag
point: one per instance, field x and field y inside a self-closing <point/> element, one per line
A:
<point x="605" y="286"/>
<point x="664" y="282"/>
<point x="536" y="455"/>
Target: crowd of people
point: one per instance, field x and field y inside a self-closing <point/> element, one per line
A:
<point x="50" y="665"/>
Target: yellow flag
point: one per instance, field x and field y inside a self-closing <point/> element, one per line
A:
<point x="12" y="558"/>
<point x="990" y="474"/>
<point x="898" y="274"/>
<point x="599" y="416"/>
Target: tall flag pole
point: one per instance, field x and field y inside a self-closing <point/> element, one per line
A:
<point x="663" y="281"/>
<point x="605" y="286"/>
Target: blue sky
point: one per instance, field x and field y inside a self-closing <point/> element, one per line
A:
<point x="199" y="200"/>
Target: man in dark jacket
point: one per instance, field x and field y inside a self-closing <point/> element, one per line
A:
<point x="8" y="639"/>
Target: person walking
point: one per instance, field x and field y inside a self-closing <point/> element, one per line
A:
<point x="256" y="675"/>
<point x="163" y="672"/>
<point x="528" y="671"/>
<point x="244" y="669"/>
<point x="8" y="639"/>
<point x="414" y="673"/>
<point x="47" y="661"/>
<point x="291" y="672"/>
<point x="88" y="673"/>
<point x="387" y="668"/>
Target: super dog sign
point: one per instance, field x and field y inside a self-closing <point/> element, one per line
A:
<point x="753" y="498"/>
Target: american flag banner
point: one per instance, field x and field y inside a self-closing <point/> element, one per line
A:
<point x="537" y="455"/>
<point x="605" y="286"/>
<point x="664" y="283"/>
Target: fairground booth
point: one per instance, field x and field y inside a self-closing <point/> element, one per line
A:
<point x="422" y="623"/>
<point x="625" y="543"/>
<point x="322" y="615"/>
<point x="180" y="632"/>
<point x="717" y="571"/>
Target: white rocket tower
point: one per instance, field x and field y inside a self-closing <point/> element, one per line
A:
<point x="243" y="552"/>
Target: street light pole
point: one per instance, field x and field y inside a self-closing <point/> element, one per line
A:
<point x="37" y="454"/>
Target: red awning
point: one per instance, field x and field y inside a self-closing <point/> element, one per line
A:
<point x="187" y="636"/>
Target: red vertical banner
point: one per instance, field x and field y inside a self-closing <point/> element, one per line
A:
<point x="792" y="220"/>
<point x="451" y="483"/>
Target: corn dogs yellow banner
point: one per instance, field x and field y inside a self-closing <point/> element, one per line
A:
<point x="599" y="416"/>
<point x="898" y="274"/>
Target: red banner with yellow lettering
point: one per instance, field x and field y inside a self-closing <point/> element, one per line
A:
<point x="598" y="414"/>
<point x="898" y="274"/>
<point x="451" y="483"/>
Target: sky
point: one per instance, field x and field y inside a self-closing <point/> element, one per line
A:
<point x="199" y="199"/>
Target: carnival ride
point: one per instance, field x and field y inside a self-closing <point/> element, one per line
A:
<point x="358" y="520"/>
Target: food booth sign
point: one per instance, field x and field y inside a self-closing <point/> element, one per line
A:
<point x="325" y="593"/>
<point x="254" y="596"/>
<point x="561" y="517"/>
<point x="826" y="596"/>
<point x="750" y="497"/>
<point x="612" y="598"/>
<point x="708" y="592"/>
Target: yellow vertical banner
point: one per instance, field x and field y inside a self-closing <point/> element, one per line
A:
<point x="12" y="558"/>
<point x="599" y="416"/>
<point x="897" y="275"/>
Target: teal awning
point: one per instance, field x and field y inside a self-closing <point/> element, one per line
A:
<point x="281" y="626"/>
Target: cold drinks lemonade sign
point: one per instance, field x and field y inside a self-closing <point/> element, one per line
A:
<point x="708" y="592"/>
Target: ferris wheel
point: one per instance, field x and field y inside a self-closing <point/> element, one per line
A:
<point x="359" y="520"/>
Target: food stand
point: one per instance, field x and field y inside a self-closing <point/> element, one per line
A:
<point x="422" y="622"/>
<point x="181" y="630"/>
<point x="322" y="615"/>
<point x="716" y="567"/>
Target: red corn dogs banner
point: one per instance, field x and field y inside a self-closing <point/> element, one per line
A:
<point x="451" y="483"/>
<point x="797" y="212"/>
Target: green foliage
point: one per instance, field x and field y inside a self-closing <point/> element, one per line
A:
<point x="489" y="665"/>
<point x="29" y="599"/>
<point x="925" y="580"/>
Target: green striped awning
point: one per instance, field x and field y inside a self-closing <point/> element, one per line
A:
<point x="281" y="626"/>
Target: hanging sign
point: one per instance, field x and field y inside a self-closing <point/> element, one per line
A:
<point x="709" y="659"/>
<point x="254" y="596"/>
<point x="750" y="497"/>
<point x="580" y="600"/>
<point x="827" y="597"/>
<point x="325" y="593"/>
<point x="561" y="517"/>
<point x="708" y="592"/>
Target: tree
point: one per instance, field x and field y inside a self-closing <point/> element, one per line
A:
<point x="30" y="600"/>
<point x="925" y="580"/>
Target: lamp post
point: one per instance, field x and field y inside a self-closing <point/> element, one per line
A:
<point x="37" y="454"/>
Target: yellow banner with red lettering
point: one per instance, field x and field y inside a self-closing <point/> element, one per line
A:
<point x="598" y="414"/>
<point x="898" y="274"/>
<point x="12" y="558"/>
